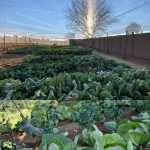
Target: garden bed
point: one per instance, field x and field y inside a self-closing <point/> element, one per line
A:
<point x="66" y="98"/>
<point x="72" y="76"/>
<point x="77" y="121"/>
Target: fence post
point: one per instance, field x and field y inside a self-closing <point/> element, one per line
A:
<point x="111" y="44"/>
<point x="105" y="47"/>
<point x="4" y="43"/>
<point x="25" y="41"/>
<point x="93" y="39"/>
<point x="107" y="43"/>
<point x="132" y="44"/>
<point x="126" y="42"/>
<point x="99" y="44"/>
<point x="120" y="43"/>
<point x="29" y="41"/>
<point x="16" y="41"/>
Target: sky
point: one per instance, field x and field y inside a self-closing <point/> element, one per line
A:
<point x="45" y="18"/>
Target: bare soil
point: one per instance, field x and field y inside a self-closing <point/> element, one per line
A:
<point x="72" y="129"/>
<point x="9" y="61"/>
<point x="23" y="139"/>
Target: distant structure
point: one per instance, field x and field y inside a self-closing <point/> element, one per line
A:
<point x="70" y="36"/>
<point x="133" y="28"/>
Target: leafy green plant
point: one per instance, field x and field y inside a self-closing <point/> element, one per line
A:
<point x="57" y="142"/>
<point x="111" y="125"/>
<point x="82" y="112"/>
<point x="110" y="109"/>
<point x="53" y="50"/>
<point x="10" y="120"/>
<point x="95" y="138"/>
<point x="91" y="136"/>
<point x="137" y="131"/>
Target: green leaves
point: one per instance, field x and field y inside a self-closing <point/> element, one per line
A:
<point x="138" y="138"/>
<point x="91" y="136"/>
<point x="10" y="120"/>
<point x="111" y="141"/>
<point x="110" y="109"/>
<point x="45" y="116"/>
<point x="111" y="125"/>
<point x="136" y="131"/>
<point x="6" y="145"/>
<point x="124" y="128"/>
<point x="106" y="95"/>
<point x="73" y="78"/>
<point x="56" y="142"/>
<point x="95" y="138"/>
<point x="83" y="112"/>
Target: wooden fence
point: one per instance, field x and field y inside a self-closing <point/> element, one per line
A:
<point x="134" y="46"/>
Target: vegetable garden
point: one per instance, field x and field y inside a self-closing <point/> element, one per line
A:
<point x="81" y="125"/>
<point x="71" y="73"/>
<point x="67" y="98"/>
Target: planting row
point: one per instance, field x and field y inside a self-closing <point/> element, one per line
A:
<point x="48" y="66"/>
<point x="119" y="83"/>
<point x="53" y="50"/>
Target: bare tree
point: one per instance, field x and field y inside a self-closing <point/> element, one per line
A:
<point x="89" y="17"/>
<point x="133" y="28"/>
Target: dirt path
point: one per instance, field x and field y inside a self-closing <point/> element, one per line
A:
<point x="130" y="62"/>
<point x="7" y="61"/>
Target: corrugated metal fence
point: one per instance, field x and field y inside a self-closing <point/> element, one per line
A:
<point x="135" y="45"/>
